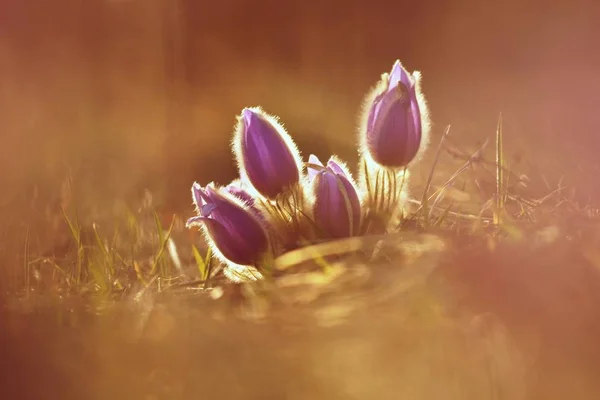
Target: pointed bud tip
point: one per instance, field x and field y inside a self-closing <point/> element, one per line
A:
<point x="399" y="74"/>
<point x="310" y="169"/>
<point x="198" y="195"/>
<point x="247" y="112"/>
<point x="247" y="116"/>
<point x="332" y="163"/>
<point x="335" y="166"/>
<point x="312" y="159"/>
<point x="250" y="114"/>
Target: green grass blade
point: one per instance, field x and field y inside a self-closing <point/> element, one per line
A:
<point x="159" y="228"/>
<point x="425" y="200"/>
<point x="115" y="237"/>
<point x="161" y="239"/>
<point x="26" y="258"/>
<point x="108" y="258"/>
<point x="163" y="245"/>
<point x="202" y="266"/>
<point x="499" y="209"/>
<point x="139" y="274"/>
<point x="207" y="262"/>
<point x="132" y="226"/>
<point x="98" y="275"/>
<point x="74" y="230"/>
<point x="444" y="215"/>
<point x="99" y="241"/>
<point x="76" y="233"/>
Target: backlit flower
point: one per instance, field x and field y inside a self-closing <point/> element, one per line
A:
<point x="336" y="208"/>
<point x="233" y="232"/>
<point x="267" y="156"/>
<point x="394" y="125"/>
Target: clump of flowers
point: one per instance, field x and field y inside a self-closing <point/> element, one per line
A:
<point x="280" y="203"/>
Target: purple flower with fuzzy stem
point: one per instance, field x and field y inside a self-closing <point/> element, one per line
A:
<point x="267" y="156"/>
<point x="232" y="231"/>
<point x="336" y="208"/>
<point x="394" y="121"/>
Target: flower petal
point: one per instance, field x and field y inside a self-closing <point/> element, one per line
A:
<point x="335" y="167"/>
<point x="399" y="75"/>
<point x="337" y="208"/>
<point x="207" y="209"/>
<point x="311" y="171"/>
<point x="197" y="195"/>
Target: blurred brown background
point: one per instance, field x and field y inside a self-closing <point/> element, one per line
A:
<point x="133" y="94"/>
<point x="125" y="95"/>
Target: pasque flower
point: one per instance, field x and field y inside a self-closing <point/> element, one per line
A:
<point x="234" y="232"/>
<point x="394" y="120"/>
<point x="336" y="208"/>
<point x="267" y="156"/>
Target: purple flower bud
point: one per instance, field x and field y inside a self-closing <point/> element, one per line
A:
<point x="336" y="208"/>
<point x="232" y="231"/>
<point x="267" y="156"/>
<point x="394" y="121"/>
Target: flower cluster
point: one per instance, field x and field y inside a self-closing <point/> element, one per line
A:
<point x="280" y="203"/>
